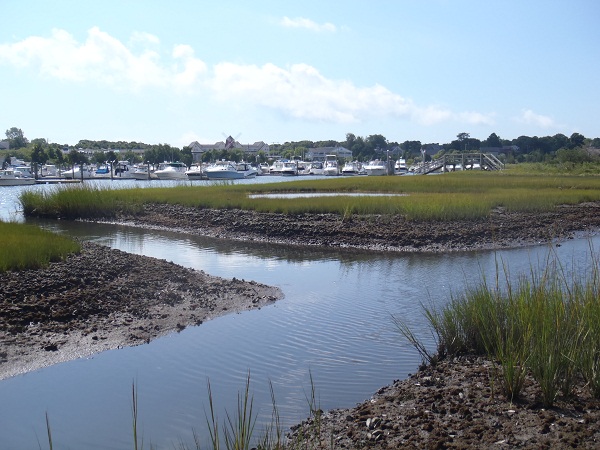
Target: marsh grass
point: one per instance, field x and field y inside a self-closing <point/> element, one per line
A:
<point x="452" y="196"/>
<point x="546" y="324"/>
<point x="28" y="247"/>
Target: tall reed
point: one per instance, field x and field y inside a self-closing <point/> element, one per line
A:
<point x="446" y="197"/>
<point x="546" y="323"/>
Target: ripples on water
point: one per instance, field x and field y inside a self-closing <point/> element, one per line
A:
<point x="334" y="325"/>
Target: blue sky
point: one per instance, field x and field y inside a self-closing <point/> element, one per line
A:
<point x="276" y="71"/>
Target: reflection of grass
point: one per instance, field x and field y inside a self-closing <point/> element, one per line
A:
<point x="547" y="325"/>
<point x="443" y="197"/>
<point x="27" y="247"/>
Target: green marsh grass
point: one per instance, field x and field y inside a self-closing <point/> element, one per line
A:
<point x="454" y="196"/>
<point x="28" y="247"/>
<point x="546" y="324"/>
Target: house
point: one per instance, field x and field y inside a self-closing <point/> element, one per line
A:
<point x="319" y="153"/>
<point x="198" y="149"/>
<point x="4" y="145"/>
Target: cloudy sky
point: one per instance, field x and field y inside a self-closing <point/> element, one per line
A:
<point x="275" y="71"/>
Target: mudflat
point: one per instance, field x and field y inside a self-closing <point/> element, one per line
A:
<point x="103" y="299"/>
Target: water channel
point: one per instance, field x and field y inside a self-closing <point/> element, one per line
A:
<point x="334" y="326"/>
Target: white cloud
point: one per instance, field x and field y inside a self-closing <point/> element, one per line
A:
<point x="102" y="59"/>
<point x="476" y="118"/>
<point x="302" y="92"/>
<point x="298" y="91"/>
<point x="301" y="22"/>
<point x="530" y="118"/>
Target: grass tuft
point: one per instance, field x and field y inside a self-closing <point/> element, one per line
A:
<point x="29" y="247"/>
<point x="546" y="324"/>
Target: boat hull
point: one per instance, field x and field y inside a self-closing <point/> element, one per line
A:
<point x="17" y="181"/>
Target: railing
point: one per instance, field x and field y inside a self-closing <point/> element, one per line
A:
<point x="466" y="161"/>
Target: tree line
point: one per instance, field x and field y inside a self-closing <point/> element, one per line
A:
<point x="522" y="149"/>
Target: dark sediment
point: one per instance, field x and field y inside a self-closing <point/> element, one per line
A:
<point x="376" y="232"/>
<point x="102" y="299"/>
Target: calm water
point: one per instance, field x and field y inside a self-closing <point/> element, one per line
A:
<point x="334" y="325"/>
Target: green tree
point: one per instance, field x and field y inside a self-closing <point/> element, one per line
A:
<point x="98" y="157"/>
<point x="74" y="157"/>
<point x="38" y="157"/>
<point x="16" y="138"/>
<point x="576" y="140"/>
<point x="492" y="141"/>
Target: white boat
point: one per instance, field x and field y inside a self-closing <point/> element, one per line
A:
<point x="276" y="167"/>
<point x="196" y="172"/>
<point x="49" y="170"/>
<point x="23" y="172"/>
<point x="376" y="167"/>
<point x="228" y="170"/>
<point x="302" y="166"/>
<point x="143" y="172"/>
<point x="289" y="168"/>
<point x="331" y="165"/>
<point x="400" y="167"/>
<point x="123" y="170"/>
<point x="351" y="168"/>
<point x="171" y="171"/>
<point x="76" y="174"/>
<point x="263" y="169"/>
<point x="8" y="177"/>
<point x="316" y="168"/>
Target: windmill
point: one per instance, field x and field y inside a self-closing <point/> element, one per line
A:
<point x="230" y="141"/>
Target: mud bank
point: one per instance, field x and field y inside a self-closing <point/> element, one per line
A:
<point x="103" y="299"/>
<point x="501" y="229"/>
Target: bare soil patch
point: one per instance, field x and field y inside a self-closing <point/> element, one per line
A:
<point x="103" y="299"/>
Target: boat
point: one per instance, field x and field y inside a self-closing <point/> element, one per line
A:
<point x="228" y="170"/>
<point x="303" y="167"/>
<point x="171" y="171"/>
<point x="263" y="169"/>
<point x="351" y="168"/>
<point x="400" y="167"/>
<point x="376" y="167"/>
<point x="316" y="168"/>
<point x="289" y="168"/>
<point x="8" y="177"/>
<point x="103" y="171"/>
<point x="23" y="172"/>
<point x="77" y="174"/>
<point x="331" y="166"/>
<point x="276" y="167"/>
<point x="49" y="170"/>
<point x="196" y="172"/>
<point x="123" y="170"/>
<point x="143" y="172"/>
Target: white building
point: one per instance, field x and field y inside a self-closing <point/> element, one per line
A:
<point x="319" y="153"/>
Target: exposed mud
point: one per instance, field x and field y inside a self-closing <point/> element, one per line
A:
<point x="375" y="232"/>
<point x="103" y="299"/>
<point x="457" y="404"/>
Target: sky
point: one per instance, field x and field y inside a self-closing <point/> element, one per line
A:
<point x="280" y="71"/>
